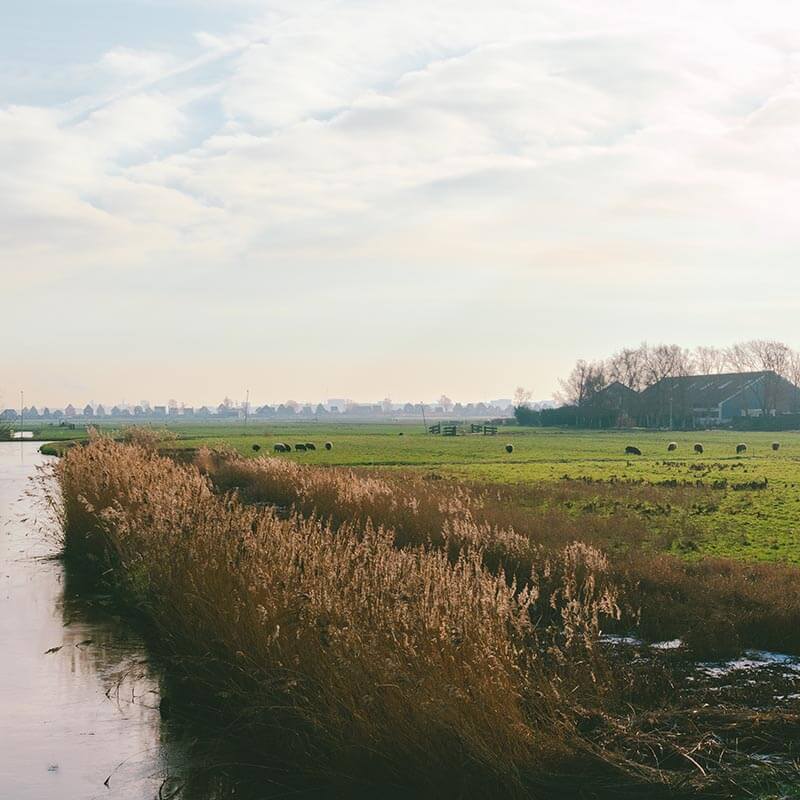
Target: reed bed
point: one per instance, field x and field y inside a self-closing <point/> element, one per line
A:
<point x="717" y="606"/>
<point x="398" y="632"/>
<point x="328" y="646"/>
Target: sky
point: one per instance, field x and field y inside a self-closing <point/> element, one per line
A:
<point x="314" y="199"/>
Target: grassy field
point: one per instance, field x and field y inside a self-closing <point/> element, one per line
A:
<point x="745" y="506"/>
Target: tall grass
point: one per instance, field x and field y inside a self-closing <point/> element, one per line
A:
<point x="716" y="605"/>
<point x="331" y="646"/>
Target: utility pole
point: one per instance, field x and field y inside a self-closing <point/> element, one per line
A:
<point x="21" y="410"/>
<point x="422" y="406"/>
<point x="246" y="407"/>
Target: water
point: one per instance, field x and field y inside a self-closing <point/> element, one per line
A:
<point x="82" y="715"/>
<point x="79" y="696"/>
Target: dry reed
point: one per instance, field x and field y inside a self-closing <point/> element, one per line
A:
<point x="332" y="646"/>
<point x="716" y="605"/>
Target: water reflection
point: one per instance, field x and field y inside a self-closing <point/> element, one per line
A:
<point x="78" y="691"/>
<point x="80" y="694"/>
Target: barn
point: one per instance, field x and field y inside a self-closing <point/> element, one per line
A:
<point x="702" y="400"/>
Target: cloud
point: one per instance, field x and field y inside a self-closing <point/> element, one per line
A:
<point x="564" y="148"/>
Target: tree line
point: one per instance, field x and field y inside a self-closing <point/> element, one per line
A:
<point x="645" y="365"/>
<point x="640" y="367"/>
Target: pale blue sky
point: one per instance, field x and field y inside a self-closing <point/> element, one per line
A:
<point x="357" y="199"/>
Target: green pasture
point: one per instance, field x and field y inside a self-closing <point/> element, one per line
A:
<point x="754" y="506"/>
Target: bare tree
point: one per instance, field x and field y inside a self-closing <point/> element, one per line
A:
<point x="446" y="403"/>
<point x="522" y="397"/>
<point x="628" y="366"/>
<point x="793" y="369"/>
<point x="793" y="377"/>
<point x="709" y="360"/>
<point x="761" y="354"/>
<point x="586" y="379"/>
<point x="667" y="361"/>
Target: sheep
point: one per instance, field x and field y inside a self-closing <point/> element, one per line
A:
<point x="280" y="447"/>
<point x="776" y="446"/>
<point x="630" y="450"/>
<point x="672" y="447"/>
<point x="301" y="448"/>
<point x="401" y="433"/>
<point x="310" y="446"/>
<point x="509" y="448"/>
<point x="329" y="445"/>
<point x="256" y="448"/>
<point x="698" y="448"/>
<point x="741" y="448"/>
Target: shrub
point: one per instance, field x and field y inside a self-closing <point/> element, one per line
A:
<point x="527" y="416"/>
<point x="149" y="438"/>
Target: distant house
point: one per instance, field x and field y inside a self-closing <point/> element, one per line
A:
<point x="614" y="406"/>
<point x="702" y="400"/>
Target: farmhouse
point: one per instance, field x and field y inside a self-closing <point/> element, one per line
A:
<point x="700" y="400"/>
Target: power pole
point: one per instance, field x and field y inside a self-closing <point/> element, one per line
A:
<point x="246" y="407"/>
<point x="424" y="422"/>
<point x="21" y="410"/>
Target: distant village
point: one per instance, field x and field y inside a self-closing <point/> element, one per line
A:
<point x="332" y="410"/>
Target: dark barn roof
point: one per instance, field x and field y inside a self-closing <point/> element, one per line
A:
<point x="707" y="391"/>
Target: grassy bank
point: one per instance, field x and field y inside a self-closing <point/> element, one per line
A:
<point x="413" y="632"/>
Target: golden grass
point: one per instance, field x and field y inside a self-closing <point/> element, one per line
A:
<point x="397" y="630"/>
<point x="716" y="605"/>
<point x="334" y="647"/>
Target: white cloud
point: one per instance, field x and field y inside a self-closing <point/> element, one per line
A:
<point x="549" y="145"/>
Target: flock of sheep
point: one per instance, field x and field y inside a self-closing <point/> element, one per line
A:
<point x="741" y="448"/>
<point x="630" y="450"/>
<point x="281" y="447"/>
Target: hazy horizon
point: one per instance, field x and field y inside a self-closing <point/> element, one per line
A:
<point x="310" y="199"/>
